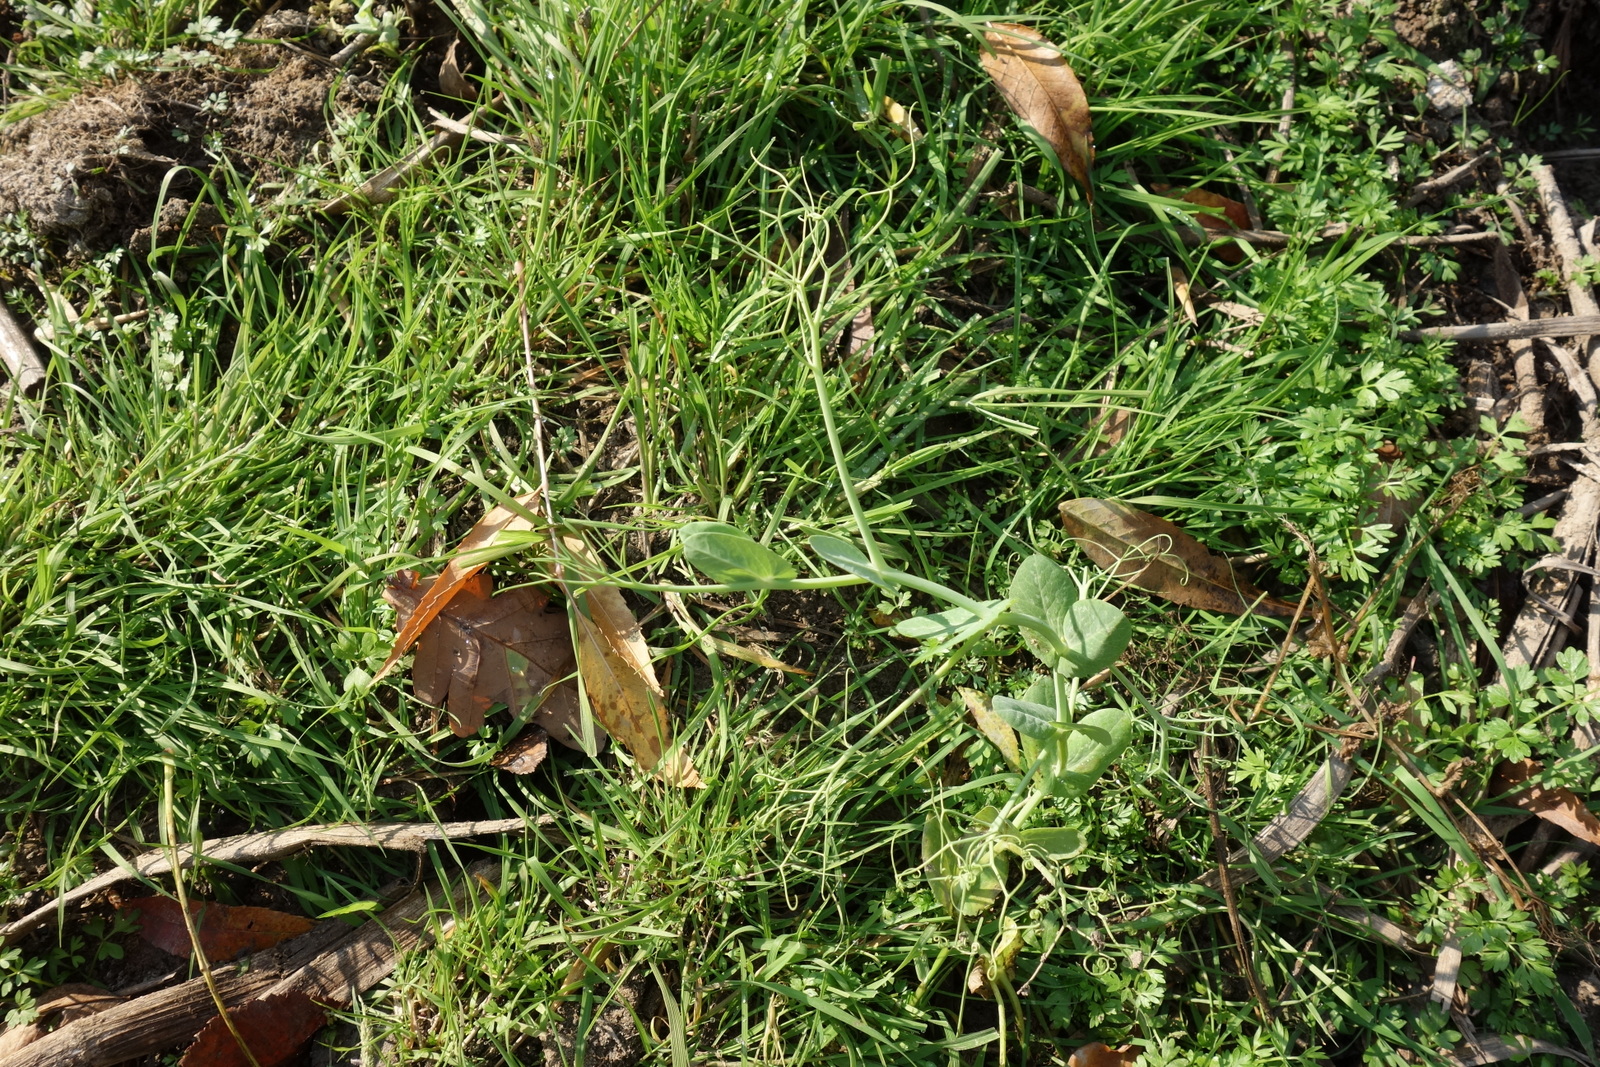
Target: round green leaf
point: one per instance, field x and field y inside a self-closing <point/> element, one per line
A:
<point x="1043" y="589"/>
<point x="1095" y="634"/>
<point x="731" y="557"/>
<point x="848" y="558"/>
<point x="935" y="625"/>
<point x="1056" y="843"/>
<point x="1085" y="753"/>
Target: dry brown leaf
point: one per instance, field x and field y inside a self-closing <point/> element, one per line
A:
<point x="1118" y="422"/>
<point x="275" y="1027"/>
<point x="470" y="558"/>
<point x="1559" y="806"/>
<point x="483" y="649"/>
<point x="225" y="931"/>
<point x="905" y="127"/>
<point x="1041" y="90"/>
<point x="751" y="655"/>
<point x="1247" y="315"/>
<point x="524" y="754"/>
<point x="1098" y="1054"/>
<point x="858" y="344"/>
<point x="1001" y="965"/>
<point x="1235" y="216"/>
<point x="992" y="726"/>
<point x="619" y="676"/>
<point x="1180" y="286"/>
<point x="1152" y="554"/>
<point x="451" y="81"/>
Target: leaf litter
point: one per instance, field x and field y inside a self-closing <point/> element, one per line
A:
<point x="476" y="649"/>
<point x="485" y="648"/>
<point x="1042" y="90"/>
<point x="1150" y="553"/>
<point x="274" y="1027"/>
<point x="225" y="931"/>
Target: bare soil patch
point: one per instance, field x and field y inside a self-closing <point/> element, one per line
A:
<point x="89" y="173"/>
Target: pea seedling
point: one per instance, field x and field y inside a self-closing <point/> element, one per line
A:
<point x="1072" y="634"/>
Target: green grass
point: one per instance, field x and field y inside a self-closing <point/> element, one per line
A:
<point x="198" y="520"/>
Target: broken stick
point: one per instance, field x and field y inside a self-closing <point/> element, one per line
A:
<point x="1560" y="326"/>
<point x="16" y="351"/>
<point x="326" y="964"/>
<point x="249" y="849"/>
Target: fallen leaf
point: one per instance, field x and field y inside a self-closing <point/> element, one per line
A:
<point x="224" y="931"/>
<point x="484" y="648"/>
<point x="991" y="725"/>
<point x="1109" y="425"/>
<point x="1002" y="963"/>
<point x="1109" y="434"/>
<point x="750" y="655"/>
<point x="1098" y="1054"/>
<point x="1558" y="806"/>
<point x="618" y="675"/>
<point x="1247" y="315"/>
<point x="275" y="1028"/>
<point x="470" y="558"/>
<point x="1041" y="90"/>
<point x="451" y="81"/>
<point x="524" y="754"/>
<point x="858" y="344"/>
<point x="1180" y="286"/>
<point x="1235" y="216"/>
<point x="1152" y="554"/>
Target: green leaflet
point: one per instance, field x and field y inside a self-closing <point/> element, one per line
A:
<point x="731" y="557"/>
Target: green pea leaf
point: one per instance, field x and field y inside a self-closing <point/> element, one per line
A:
<point x="937" y="625"/>
<point x="849" y="558"/>
<point x="1027" y="718"/>
<point x="967" y="872"/>
<point x="946" y="630"/>
<point x="1095" y="634"/>
<point x="1043" y="589"/>
<point x="1093" y="744"/>
<point x="939" y="860"/>
<point x="731" y="557"/>
<point x="1055" y="843"/>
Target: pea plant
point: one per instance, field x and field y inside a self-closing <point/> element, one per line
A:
<point x="1061" y="753"/>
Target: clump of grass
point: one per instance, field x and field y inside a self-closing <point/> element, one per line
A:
<point x="196" y="529"/>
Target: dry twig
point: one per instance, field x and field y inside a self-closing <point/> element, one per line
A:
<point x="1426" y="189"/>
<point x="326" y="964"/>
<point x="1560" y="326"/>
<point x="1564" y="235"/>
<point x="22" y="362"/>
<point x="1279" y="239"/>
<point x="249" y="849"/>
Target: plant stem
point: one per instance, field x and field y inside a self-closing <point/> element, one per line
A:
<point x="846" y="483"/>
<point x="169" y="827"/>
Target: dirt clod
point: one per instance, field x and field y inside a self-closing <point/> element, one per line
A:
<point x="87" y="174"/>
<point x="612" y="1038"/>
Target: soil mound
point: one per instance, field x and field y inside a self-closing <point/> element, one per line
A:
<point x="88" y="173"/>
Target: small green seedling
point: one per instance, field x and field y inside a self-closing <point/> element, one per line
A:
<point x="1062" y="755"/>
